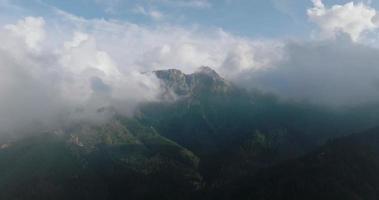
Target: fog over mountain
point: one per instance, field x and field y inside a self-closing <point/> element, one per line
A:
<point x="333" y="73"/>
<point x="67" y="67"/>
<point x="189" y="99"/>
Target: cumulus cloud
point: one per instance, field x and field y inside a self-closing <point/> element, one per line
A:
<point x="351" y="18"/>
<point x="148" y="48"/>
<point x="30" y="29"/>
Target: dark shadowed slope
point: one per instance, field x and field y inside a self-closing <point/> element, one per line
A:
<point x="110" y="161"/>
<point x="343" y="169"/>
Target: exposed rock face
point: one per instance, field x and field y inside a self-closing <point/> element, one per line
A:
<point x="204" y="79"/>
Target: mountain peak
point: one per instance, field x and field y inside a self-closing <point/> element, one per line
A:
<point x="203" y="79"/>
<point x="208" y="71"/>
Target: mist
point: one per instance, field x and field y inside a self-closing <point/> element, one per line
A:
<point x="65" y="68"/>
<point x="43" y="86"/>
<point x="335" y="73"/>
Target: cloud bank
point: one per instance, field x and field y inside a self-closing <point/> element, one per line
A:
<point x="66" y="68"/>
<point x="42" y="85"/>
<point x="337" y="69"/>
<point x="69" y="68"/>
<point x="332" y="72"/>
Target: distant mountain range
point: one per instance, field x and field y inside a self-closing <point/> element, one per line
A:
<point x="206" y="139"/>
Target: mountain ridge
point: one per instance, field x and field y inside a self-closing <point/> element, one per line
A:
<point x="203" y="79"/>
<point x="206" y="139"/>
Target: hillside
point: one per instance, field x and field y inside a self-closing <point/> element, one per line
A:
<point x="109" y="161"/>
<point x="206" y="138"/>
<point x="345" y="168"/>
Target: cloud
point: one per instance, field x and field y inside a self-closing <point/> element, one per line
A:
<point x="24" y="83"/>
<point x="153" y="14"/>
<point x="64" y="69"/>
<point x="30" y="29"/>
<point x="200" y="4"/>
<point x="330" y="72"/>
<point x="70" y="67"/>
<point x="351" y="18"/>
<point x="147" y="48"/>
<point x="69" y="82"/>
<point x="144" y="7"/>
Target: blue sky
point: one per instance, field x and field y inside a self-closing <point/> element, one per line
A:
<point x="249" y="18"/>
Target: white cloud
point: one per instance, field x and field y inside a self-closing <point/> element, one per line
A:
<point x="351" y="18"/>
<point x="153" y="14"/>
<point x="29" y="29"/>
<point x="41" y="89"/>
<point x="87" y="64"/>
<point x="318" y="4"/>
<point x="147" y="48"/>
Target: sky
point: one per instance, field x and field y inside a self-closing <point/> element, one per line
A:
<point x="250" y="18"/>
<point x="63" y="60"/>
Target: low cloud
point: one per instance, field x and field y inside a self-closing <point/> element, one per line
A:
<point x="336" y="69"/>
<point x="41" y="86"/>
<point x="330" y="72"/>
<point x="51" y="76"/>
<point x="66" y="68"/>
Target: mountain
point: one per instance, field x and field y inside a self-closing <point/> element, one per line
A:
<point x="218" y="121"/>
<point x="108" y="161"/>
<point x="205" y="79"/>
<point x="346" y="168"/>
<point x="206" y="139"/>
